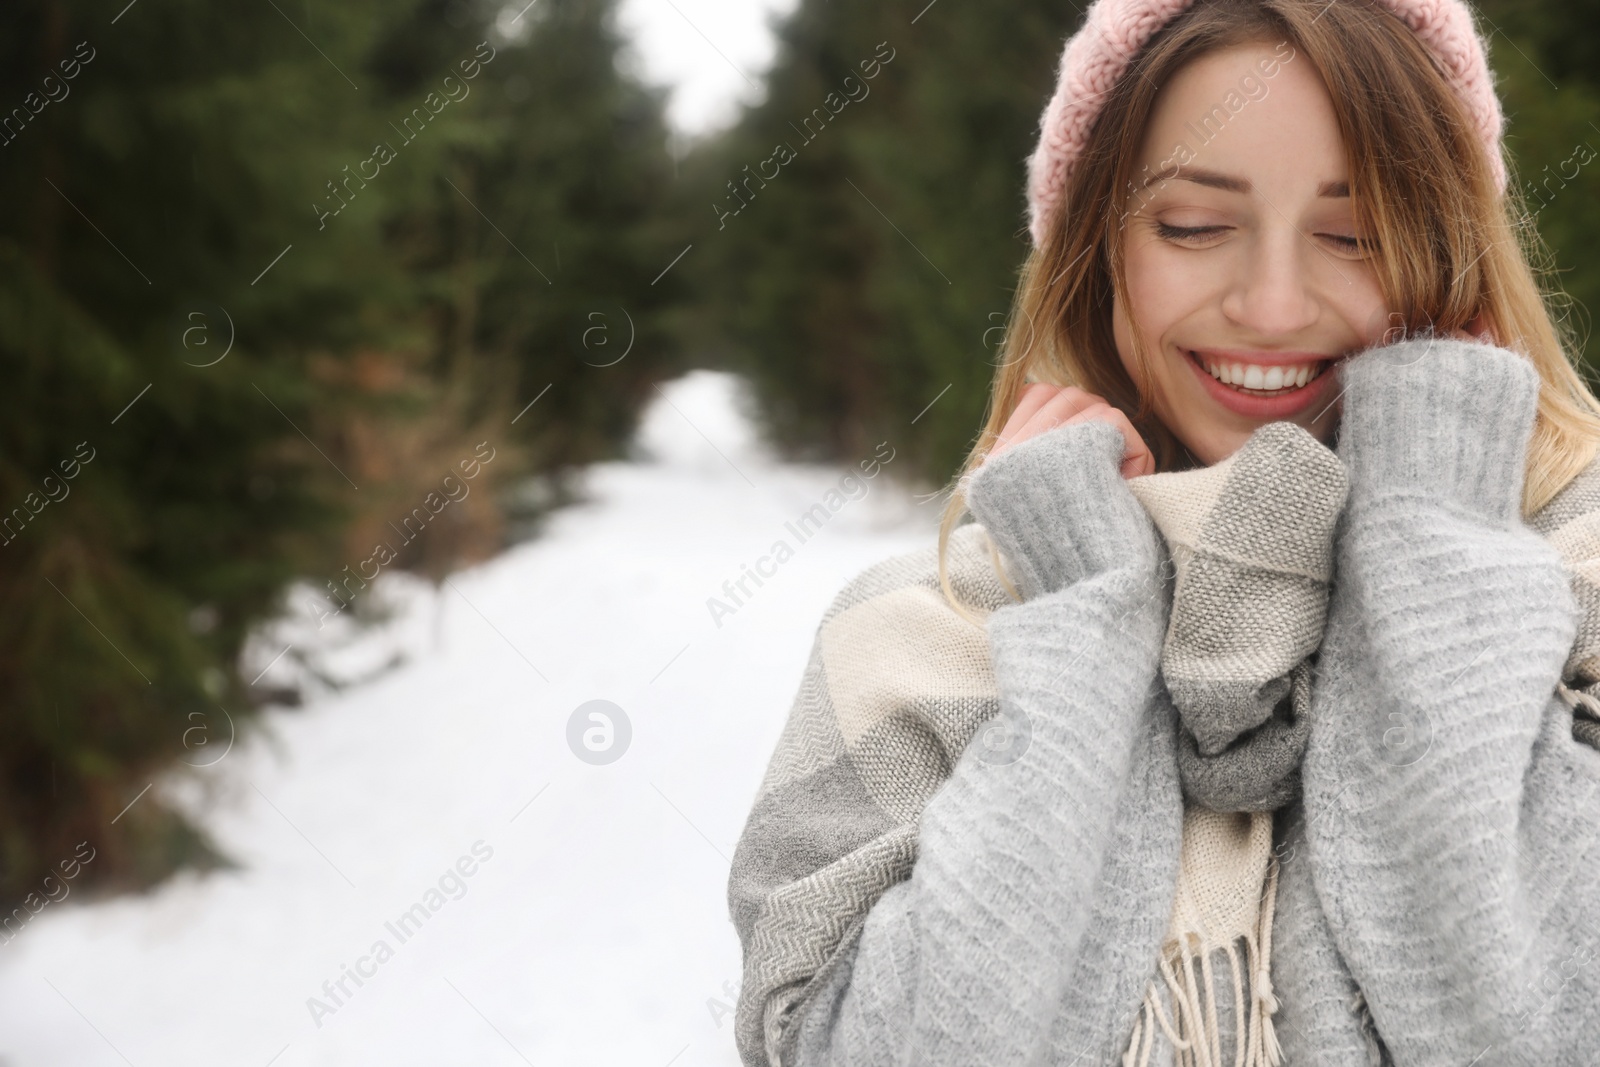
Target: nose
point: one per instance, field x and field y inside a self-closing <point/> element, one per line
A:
<point x="1271" y="293"/>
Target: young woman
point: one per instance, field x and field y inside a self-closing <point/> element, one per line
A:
<point x="1277" y="336"/>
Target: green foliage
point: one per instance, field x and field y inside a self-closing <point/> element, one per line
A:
<point x="870" y="278"/>
<point x="1550" y="89"/>
<point x="394" y="296"/>
<point x="565" y="262"/>
<point x="199" y="183"/>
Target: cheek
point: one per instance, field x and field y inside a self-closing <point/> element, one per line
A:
<point x="1360" y="303"/>
<point x="1151" y="385"/>
<point x="1122" y="333"/>
<point x="1160" y="295"/>
<point x="1164" y="287"/>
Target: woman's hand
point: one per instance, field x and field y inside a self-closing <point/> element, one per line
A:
<point x="1043" y="407"/>
<point x="1442" y="416"/>
<point x="1058" y="505"/>
<point x="1481" y="331"/>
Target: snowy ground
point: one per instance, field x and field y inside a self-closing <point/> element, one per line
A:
<point x="596" y="930"/>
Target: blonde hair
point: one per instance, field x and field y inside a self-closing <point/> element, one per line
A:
<point x="1453" y="247"/>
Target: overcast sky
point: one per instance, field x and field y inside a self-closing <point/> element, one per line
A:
<point x="712" y="53"/>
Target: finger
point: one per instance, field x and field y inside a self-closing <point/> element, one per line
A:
<point x="1051" y="405"/>
<point x="1059" y="410"/>
<point x="1137" y="459"/>
<point x="1480" y="330"/>
<point x="1096" y="411"/>
<point x="1033" y="398"/>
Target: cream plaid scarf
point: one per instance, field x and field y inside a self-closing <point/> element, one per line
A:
<point x="1251" y="546"/>
<point x="1251" y="543"/>
<point x="1249" y="539"/>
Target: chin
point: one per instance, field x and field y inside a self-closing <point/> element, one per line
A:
<point x="1213" y="448"/>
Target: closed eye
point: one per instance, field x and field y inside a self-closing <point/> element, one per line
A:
<point x="1351" y="244"/>
<point x="1169" y="232"/>
<point x="1196" y="234"/>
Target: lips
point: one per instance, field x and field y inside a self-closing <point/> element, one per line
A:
<point x="1306" y="371"/>
<point x="1267" y="379"/>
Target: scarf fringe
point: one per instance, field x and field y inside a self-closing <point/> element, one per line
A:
<point x="1577" y="698"/>
<point x="1193" y="1029"/>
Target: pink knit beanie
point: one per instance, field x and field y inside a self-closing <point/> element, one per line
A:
<point x="1114" y="31"/>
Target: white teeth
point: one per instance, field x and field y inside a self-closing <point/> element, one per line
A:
<point x="1263" y="379"/>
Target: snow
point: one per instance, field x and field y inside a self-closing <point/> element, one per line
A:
<point x="596" y="930"/>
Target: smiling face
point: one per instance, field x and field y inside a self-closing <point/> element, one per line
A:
<point x="1245" y="271"/>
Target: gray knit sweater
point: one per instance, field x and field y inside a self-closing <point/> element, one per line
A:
<point x="1439" y="894"/>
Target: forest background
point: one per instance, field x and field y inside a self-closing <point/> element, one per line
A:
<point x="294" y="295"/>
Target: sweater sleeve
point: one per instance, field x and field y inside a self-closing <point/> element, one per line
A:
<point x="964" y="961"/>
<point x="1452" y="818"/>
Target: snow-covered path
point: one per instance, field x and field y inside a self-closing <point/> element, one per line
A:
<point x="567" y="912"/>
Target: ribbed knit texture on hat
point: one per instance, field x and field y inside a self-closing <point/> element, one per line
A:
<point x="1114" y="31"/>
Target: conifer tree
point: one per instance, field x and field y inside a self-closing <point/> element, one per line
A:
<point x="245" y="318"/>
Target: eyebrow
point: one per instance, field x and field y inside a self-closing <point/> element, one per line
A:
<point x="1212" y="179"/>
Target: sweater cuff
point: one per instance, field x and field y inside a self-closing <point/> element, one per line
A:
<point x="1058" y="509"/>
<point x="1439" y="417"/>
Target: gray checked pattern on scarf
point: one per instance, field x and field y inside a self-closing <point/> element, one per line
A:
<point x="1251" y="540"/>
